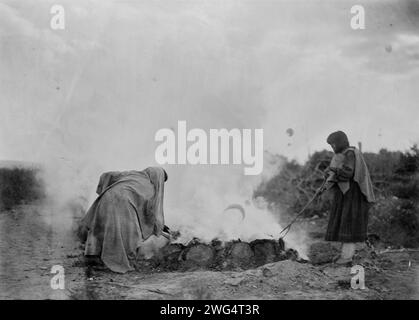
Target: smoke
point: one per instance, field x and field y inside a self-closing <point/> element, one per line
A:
<point x="197" y="206"/>
<point x="204" y="192"/>
<point x="196" y="198"/>
<point x="95" y="94"/>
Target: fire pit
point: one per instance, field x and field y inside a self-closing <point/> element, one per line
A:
<point x="219" y="255"/>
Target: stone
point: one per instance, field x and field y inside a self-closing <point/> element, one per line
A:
<point x="322" y="252"/>
<point x="266" y="251"/>
<point x="240" y="253"/>
<point x="200" y="254"/>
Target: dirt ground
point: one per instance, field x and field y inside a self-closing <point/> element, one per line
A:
<point x="29" y="247"/>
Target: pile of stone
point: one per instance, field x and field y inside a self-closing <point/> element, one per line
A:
<point x="218" y="255"/>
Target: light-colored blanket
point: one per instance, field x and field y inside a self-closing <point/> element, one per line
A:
<point x="128" y="211"/>
<point x="361" y="173"/>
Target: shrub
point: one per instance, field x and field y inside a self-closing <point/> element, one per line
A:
<point x="407" y="189"/>
<point x="19" y="185"/>
<point x="396" y="221"/>
<point x="296" y="184"/>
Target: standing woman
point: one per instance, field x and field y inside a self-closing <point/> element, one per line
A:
<point x="350" y="184"/>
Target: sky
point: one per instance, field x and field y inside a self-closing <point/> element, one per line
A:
<point x="122" y="69"/>
<point x="91" y="97"/>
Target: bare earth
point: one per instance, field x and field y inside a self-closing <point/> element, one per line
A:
<point x="29" y="247"/>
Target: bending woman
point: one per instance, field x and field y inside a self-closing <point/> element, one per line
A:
<point x="128" y="210"/>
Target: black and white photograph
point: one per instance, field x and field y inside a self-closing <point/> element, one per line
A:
<point x="209" y="150"/>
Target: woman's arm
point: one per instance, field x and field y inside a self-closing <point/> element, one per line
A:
<point x="346" y="172"/>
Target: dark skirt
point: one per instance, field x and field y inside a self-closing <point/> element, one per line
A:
<point x="348" y="220"/>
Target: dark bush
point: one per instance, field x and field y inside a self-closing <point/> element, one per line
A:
<point x="18" y="186"/>
<point x="396" y="221"/>
<point x="407" y="189"/>
<point x="295" y="185"/>
<point x="396" y="216"/>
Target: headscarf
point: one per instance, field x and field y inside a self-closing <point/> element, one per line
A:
<point x="154" y="209"/>
<point x="340" y="140"/>
<point x="107" y="179"/>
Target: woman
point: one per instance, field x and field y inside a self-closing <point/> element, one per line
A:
<point x="128" y="211"/>
<point x="350" y="183"/>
